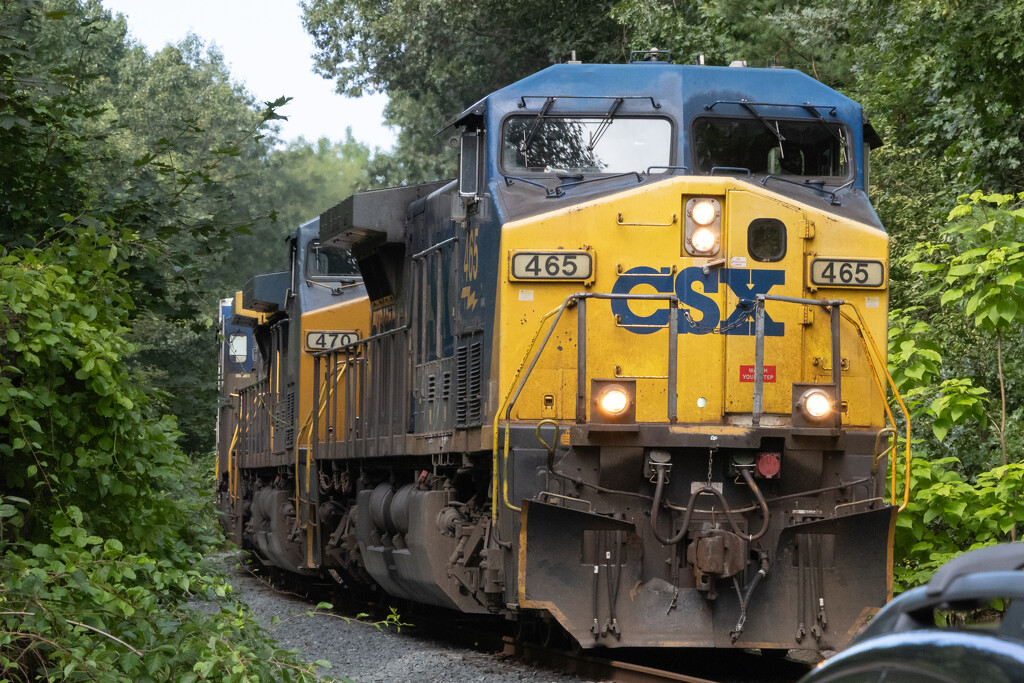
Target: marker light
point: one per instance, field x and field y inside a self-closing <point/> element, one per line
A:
<point x="703" y="212"/>
<point x="704" y="240"/>
<point x="614" y="400"/>
<point x="817" y="404"/>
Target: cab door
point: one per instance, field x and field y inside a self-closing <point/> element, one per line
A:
<point x="765" y="246"/>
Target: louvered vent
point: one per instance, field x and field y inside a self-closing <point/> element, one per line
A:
<point x="446" y="386"/>
<point x="461" y="384"/>
<point x="284" y="422"/>
<point x="431" y="387"/>
<point x="469" y="383"/>
<point x="474" y="399"/>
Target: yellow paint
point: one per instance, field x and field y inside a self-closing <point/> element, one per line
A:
<point x="251" y="318"/>
<point x="347" y="315"/>
<point x="708" y="364"/>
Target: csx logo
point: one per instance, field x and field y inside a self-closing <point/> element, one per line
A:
<point x="745" y="283"/>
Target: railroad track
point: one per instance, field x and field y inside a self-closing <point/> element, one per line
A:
<point x="491" y="637"/>
<point x="604" y="669"/>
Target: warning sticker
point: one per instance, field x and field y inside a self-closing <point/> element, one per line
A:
<point x="747" y="373"/>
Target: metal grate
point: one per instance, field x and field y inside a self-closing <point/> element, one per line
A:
<point x="473" y="399"/>
<point x="468" y="382"/>
<point x="461" y="375"/>
<point x="284" y="422"/>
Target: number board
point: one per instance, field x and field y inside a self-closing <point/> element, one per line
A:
<point x="328" y="341"/>
<point x="847" y="272"/>
<point x="552" y="265"/>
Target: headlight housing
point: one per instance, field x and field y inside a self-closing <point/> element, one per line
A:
<point x="814" y="405"/>
<point x="613" y="401"/>
<point x="703" y="226"/>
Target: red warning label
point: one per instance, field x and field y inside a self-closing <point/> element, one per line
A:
<point x="747" y="373"/>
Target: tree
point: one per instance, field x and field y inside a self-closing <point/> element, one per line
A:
<point x="436" y="58"/>
<point x="102" y="525"/>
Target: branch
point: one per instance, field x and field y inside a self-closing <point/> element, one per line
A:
<point x="101" y="632"/>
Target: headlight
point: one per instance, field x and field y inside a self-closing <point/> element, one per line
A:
<point x="703" y="212"/>
<point x="614" y="400"/>
<point x="702" y="235"/>
<point x="704" y="241"/>
<point x="816" y="404"/>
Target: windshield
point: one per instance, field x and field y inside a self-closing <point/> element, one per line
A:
<point x="574" y="144"/>
<point x="327" y="261"/>
<point x="780" y="147"/>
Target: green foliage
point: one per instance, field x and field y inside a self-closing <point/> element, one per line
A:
<point x="948" y="515"/>
<point x="119" y="191"/>
<point x="945" y="74"/>
<point x="89" y="610"/>
<point x="437" y="57"/>
<point x="814" y="37"/>
<point x="101" y="519"/>
<point x="986" y="273"/>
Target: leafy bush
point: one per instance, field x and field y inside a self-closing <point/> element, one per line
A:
<point x="103" y="523"/>
<point x="948" y="515"/>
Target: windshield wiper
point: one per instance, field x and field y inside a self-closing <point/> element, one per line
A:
<point x="528" y="140"/>
<point x="818" y="185"/>
<point x="602" y="127"/>
<point x="775" y="130"/>
<point x="817" y="114"/>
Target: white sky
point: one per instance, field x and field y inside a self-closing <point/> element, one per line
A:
<point x="270" y="53"/>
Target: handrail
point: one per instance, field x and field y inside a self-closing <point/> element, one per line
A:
<point x="865" y="334"/>
<point x="233" y="463"/>
<point x="519" y="379"/>
<point x="903" y="407"/>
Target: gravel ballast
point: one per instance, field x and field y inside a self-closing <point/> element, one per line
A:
<point x="358" y="651"/>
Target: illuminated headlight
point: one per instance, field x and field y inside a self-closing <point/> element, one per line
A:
<point x="703" y="212"/>
<point x="704" y="241"/>
<point x="816" y="404"/>
<point x="614" y="400"/>
<point x="703" y="230"/>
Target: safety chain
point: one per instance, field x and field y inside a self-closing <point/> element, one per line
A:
<point x="700" y="328"/>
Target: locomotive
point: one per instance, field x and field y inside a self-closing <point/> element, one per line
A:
<point x="620" y="378"/>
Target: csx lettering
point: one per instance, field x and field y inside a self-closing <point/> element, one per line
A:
<point x="745" y="283"/>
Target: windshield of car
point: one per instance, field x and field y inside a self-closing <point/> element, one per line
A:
<point x="781" y="147"/>
<point x="585" y="144"/>
<point x="328" y="261"/>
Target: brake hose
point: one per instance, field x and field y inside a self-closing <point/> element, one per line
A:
<point x="656" y="509"/>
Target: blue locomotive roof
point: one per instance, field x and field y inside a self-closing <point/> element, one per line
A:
<point x="681" y="93"/>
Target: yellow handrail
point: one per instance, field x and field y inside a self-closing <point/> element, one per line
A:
<point x="497" y="420"/>
<point x="307" y="428"/>
<point x="232" y="466"/>
<point x="862" y="328"/>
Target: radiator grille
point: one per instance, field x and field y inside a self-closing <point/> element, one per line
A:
<point x="469" y="383"/>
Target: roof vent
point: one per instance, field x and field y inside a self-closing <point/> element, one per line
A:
<point x="738" y="62"/>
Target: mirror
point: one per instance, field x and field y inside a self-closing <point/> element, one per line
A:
<point x="469" y="165"/>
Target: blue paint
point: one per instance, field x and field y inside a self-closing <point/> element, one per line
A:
<point x="745" y="283"/>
